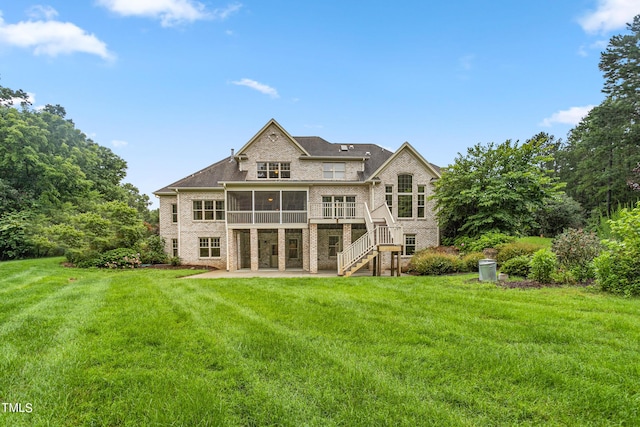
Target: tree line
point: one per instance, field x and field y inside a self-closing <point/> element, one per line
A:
<point x="545" y="185"/>
<point x="60" y="192"/>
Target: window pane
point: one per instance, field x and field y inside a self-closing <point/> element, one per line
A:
<point x="405" y="206"/>
<point x="274" y="170"/>
<point x="262" y="170"/>
<point x="405" y="183"/>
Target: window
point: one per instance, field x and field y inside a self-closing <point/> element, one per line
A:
<point x="333" y="170"/>
<point x="388" y="196"/>
<point x="209" y="247"/>
<point x="409" y="244"/>
<point x="334" y="245"/>
<point x="421" y="201"/>
<point x="405" y="196"/>
<point x="293" y="249"/>
<point x="220" y="210"/>
<point x="174" y="213"/>
<point x="274" y="170"/>
<point x="174" y="247"/>
<point x="208" y="210"/>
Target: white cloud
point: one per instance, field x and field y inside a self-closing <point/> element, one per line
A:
<point x="572" y="116"/>
<point x="51" y="37"/>
<point x="31" y="99"/>
<point x="42" y="12"/>
<point x="224" y="13"/>
<point x="262" y="88"/>
<point x="610" y="15"/>
<point x="119" y="143"/>
<point x="169" y="12"/>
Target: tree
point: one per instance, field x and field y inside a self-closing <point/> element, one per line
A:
<point x="602" y="151"/>
<point x="58" y="189"/>
<point x="495" y="188"/>
<point x="599" y="157"/>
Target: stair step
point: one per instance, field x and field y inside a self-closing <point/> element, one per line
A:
<point x="364" y="261"/>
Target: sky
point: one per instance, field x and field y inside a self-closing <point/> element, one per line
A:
<point x="172" y="86"/>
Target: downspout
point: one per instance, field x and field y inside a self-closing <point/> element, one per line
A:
<point x="226" y="224"/>
<point x="179" y="223"/>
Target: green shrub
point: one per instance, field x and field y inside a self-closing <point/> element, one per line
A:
<point x="617" y="269"/>
<point x="566" y="277"/>
<point x="489" y="240"/>
<point x="469" y="262"/>
<point x="151" y="250"/>
<point x="175" y="261"/>
<point x="576" y="250"/>
<point x="82" y="258"/>
<point x="434" y="263"/>
<point x="511" y="250"/>
<point x="543" y="265"/>
<point x="517" y="266"/>
<point x="120" y="258"/>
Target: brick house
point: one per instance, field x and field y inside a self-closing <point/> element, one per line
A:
<point x="284" y="202"/>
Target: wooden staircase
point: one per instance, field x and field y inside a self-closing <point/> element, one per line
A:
<point x="359" y="264"/>
<point x="367" y="247"/>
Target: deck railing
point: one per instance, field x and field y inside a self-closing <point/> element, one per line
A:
<point x="267" y="217"/>
<point x="336" y="210"/>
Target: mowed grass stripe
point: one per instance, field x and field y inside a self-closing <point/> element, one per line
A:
<point x="150" y="349"/>
<point x="490" y="361"/>
<point x="40" y="347"/>
<point x="294" y="367"/>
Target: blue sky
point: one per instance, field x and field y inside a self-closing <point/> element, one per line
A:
<point x="172" y="85"/>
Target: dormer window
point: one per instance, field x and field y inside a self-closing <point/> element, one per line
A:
<point x="274" y="170"/>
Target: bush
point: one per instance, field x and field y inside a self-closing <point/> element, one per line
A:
<point x="469" y="262"/>
<point x="576" y="250"/>
<point x="151" y="250"/>
<point x="511" y="250"/>
<point x="120" y="258"/>
<point x="617" y="268"/>
<point x="82" y="258"/>
<point x="517" y="266"/>
<point x="543" y="265"/>
<point x="489" y="240"/>
<point x="433" y="263"/>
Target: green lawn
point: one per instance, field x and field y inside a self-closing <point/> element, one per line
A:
<point x="88" y="347"/>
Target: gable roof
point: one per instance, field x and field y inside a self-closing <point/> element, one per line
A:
<point x="376" y="158"/>
<point x="210" y="177"/>
<point x="270" y="123"/>
<point x="435" y="170"/>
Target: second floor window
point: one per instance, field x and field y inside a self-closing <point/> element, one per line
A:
<point x="405" y="196"/>
<point x="174" y="213"/>
<point x="274" y="170"/>
<point x="333" y="170"/>
<point x="208" y="210"/>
